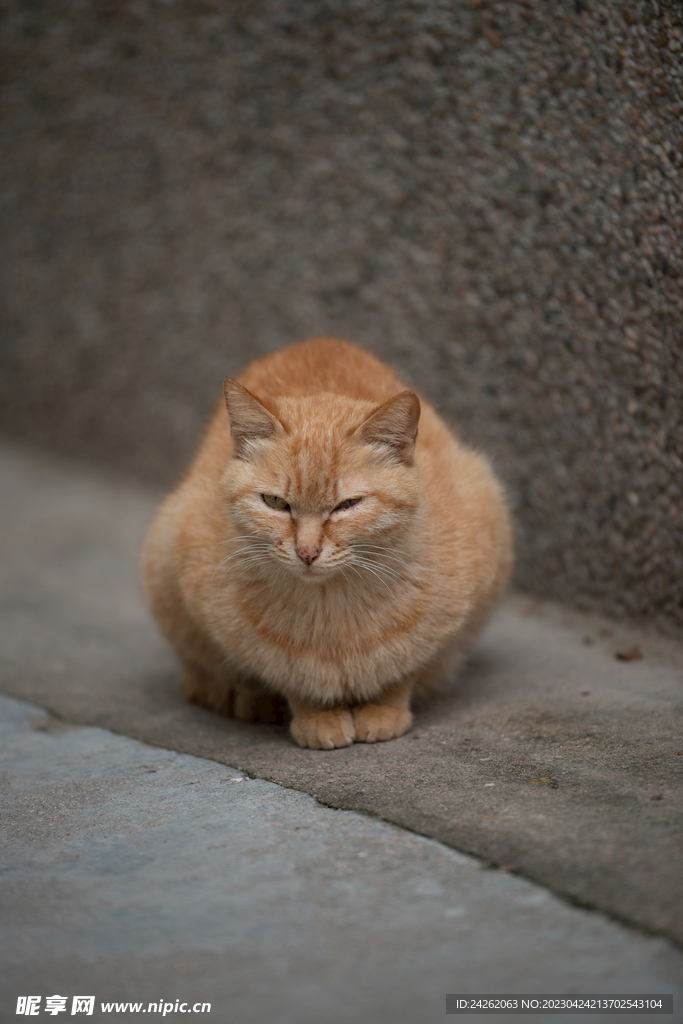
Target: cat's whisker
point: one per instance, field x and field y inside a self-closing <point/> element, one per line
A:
<point x="280" y="570"/>
<point x="390" y="572"/>
<point x="392" y="580"/>
<point x="416" y="515"/>
<point x="356" y="570"/>
<point x="375" y="547"/>
<point x="376" y="559"/>
<point x="392" y="585"/>
<point x="382" y="581"/>
<point x="344" y="577"/>
<point x="244" y="537"/>
<point x="248" y="562"/>
<point x="241" y="553"/>
<point x="225" y="564"/>
<point x="380" y="549"/>
<point x="359" y="573"/>
<point x="249" y="557"/>
<point x="245" y="547"/>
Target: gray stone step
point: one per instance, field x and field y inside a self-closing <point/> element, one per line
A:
<point x="137" y="874"/>
<point x="550" y="757"/>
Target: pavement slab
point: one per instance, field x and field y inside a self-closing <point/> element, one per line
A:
<point x="140" y="875"/>
<point x="549" y="757"/>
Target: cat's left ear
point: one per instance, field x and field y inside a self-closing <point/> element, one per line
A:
<point x="393" y="427"/>
<point x="250" y="421"/>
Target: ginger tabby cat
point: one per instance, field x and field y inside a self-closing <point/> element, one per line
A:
<point x="321" y="557"/>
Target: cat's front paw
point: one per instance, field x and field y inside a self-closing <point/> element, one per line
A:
<point x="375" y="722"/>
<point x="324" y="730"/>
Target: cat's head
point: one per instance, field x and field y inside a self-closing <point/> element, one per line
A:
<point x="320" y="482"/>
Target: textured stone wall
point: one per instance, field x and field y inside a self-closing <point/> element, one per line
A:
<point x="489" y="195"/>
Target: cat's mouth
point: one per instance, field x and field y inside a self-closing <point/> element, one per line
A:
<point x="315" y="571"/>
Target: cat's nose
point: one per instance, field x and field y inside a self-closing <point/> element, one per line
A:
<point x="307" y="553"/>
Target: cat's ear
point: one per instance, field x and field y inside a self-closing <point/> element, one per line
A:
<point x="393" y="427"/>
<point x="250" y="421"/>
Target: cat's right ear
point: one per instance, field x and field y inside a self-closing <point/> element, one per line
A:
<point x="250" y="421"/>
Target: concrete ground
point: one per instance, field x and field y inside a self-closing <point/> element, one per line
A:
<point x="188" y="859"/>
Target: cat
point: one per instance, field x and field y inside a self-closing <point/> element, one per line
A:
<point x="323" y="561"/>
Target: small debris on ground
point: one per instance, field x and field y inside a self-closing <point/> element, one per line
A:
<point x="632" y="654"/>
<point x="657" y="796"/>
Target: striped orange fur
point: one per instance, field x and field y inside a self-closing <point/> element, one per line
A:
<point x="324" y="559"/>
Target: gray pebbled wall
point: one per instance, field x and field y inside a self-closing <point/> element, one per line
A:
<point x="486" y="194"/>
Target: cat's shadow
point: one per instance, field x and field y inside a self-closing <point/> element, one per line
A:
<point x="474" y="683"/>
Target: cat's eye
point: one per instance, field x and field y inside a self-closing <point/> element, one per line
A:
<point x="272" y="501"/>
<point x="348" y="503"/>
